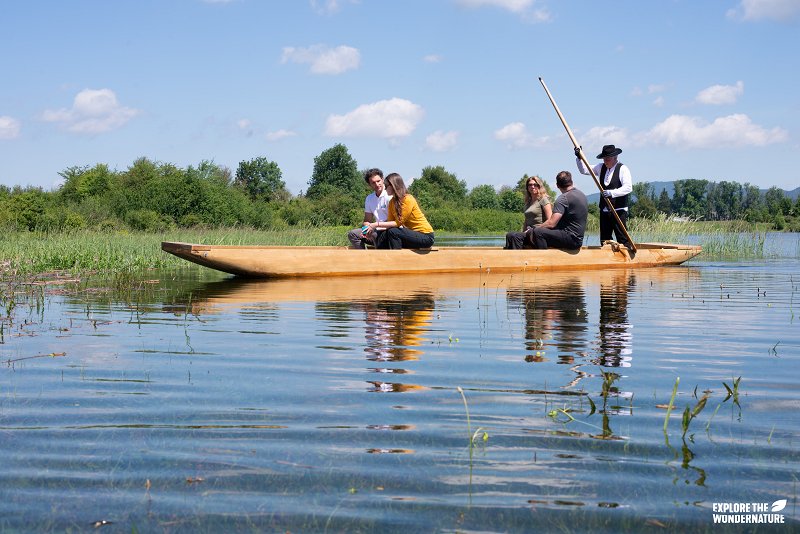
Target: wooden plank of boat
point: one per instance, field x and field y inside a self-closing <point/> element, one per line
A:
<point x="284" y="262"/>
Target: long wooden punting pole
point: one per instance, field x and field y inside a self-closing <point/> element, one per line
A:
<point x="585" y="162"/>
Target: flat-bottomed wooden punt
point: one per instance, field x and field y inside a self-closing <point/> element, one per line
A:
<point x="287" y="262"/>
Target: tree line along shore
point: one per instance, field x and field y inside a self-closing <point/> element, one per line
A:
<point x="156" y="197"/>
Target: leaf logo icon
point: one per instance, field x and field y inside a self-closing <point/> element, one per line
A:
<point x="777" y="506"/>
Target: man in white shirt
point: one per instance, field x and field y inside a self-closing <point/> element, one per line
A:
<point x="376" y="207"/>
<point x="617" y="186"/>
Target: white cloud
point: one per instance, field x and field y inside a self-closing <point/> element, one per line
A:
<point x="751" y="10"/>
<point x="659" y="101"/>
<point x="720" y="94"/>
<point x="440" y="141"/>
<point x="525" y="8"/>
<point x="328" y="7"/>
<point x="280" y="134"/>
<point x="516" y="136"/>
<point x="9" y="127"/>
<point x="515" y="6"/>
<point x="736" y="130"/>
<point x="652" y="89"/>
<point x="93" y="111"/>
<point x="387" y="119"/>
<point x="325" y="7"/>
<point x="323" y="59"/>
<point x="432" y="58"/>
<point x="604" y="135"/>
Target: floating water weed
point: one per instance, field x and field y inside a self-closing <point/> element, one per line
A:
<point x="608" y="381"/>
<point x="553" y="414"/>
<point x="689" y="415"/>
<point x="733" y="391"/>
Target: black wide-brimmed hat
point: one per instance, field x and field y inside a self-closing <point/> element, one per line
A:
<point x="609" y="151"/>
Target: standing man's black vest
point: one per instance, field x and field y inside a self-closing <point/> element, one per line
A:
<point x="615" y="183"/>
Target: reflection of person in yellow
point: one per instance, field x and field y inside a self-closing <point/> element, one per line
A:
<point x="614" y="329"/>
<point x="394" y="326"/>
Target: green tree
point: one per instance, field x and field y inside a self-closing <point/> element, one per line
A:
<point x="335" y="171"/>
<point x="664" y="204"/>
<point x="645" y="205"/>
<point x="262" y="180"/>
<point x="777" y="202"/>
<point x="484" y="197"/>
<point x="436" y="187"/>
<point x="724" y="201"/>
<point x="511" y="199"/>
<point x="27" y="208"/>
<point x="84" y="182"/>
<point x="752" y="197"/>
<point x="210" y="199"/>
<point x="689" y="198"/>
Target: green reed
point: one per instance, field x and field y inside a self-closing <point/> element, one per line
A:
<point x="25" y="253"/>
<point x="720" y="240"/>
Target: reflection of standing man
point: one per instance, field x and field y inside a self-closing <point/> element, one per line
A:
<point x="617" y="187"/>
<point x="376" y="208"/>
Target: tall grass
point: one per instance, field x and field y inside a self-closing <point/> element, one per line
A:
<point x="720" y="240"/>
<point x="23" y="253"/>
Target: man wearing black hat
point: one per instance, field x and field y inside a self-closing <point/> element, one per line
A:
<point x="617" y="187"/>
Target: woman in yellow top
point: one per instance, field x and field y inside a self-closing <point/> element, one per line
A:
<point x="406" y="226"/>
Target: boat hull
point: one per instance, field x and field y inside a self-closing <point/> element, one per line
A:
<point x="287" y="262"/>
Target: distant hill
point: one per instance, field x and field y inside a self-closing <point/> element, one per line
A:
<point x="670" y="187"/>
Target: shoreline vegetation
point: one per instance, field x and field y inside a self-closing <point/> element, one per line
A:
<point x="125" y="253"/>
<point x="110" y="221"/>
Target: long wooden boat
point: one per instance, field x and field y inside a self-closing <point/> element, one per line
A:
<point x="288" y="262"/>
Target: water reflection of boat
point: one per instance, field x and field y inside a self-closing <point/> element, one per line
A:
<point x="387" y="288"/>
<point x="280" y="262"/>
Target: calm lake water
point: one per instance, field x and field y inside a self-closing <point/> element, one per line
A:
<point x="198" y="402"/>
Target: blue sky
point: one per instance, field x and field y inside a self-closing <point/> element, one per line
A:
<point x="687" y="88"/>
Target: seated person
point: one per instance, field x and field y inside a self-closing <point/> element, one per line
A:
<point x="537" y="210"/>
<point x="376" y="207"/>
<point x="565" y="228"/>
<point x="406" y="226"/>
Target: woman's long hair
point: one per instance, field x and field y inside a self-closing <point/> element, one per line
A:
<point x="399" y="190"/>
<point x="542" y="191"/>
